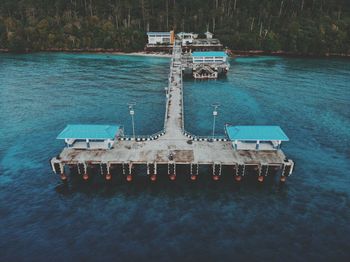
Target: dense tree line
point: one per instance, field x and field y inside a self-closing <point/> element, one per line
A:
<point x="299" y="26"/>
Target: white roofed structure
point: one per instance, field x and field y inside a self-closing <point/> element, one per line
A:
<point x="158" y="38"/>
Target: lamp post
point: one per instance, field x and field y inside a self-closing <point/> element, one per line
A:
<point x="215" y="113"/>
<point x="132" y="113"/>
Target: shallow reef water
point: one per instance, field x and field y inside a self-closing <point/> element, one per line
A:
<point x="307" y="219"/>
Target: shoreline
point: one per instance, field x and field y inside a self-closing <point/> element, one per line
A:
<point x="233" y="53"/>
<point x="92" y="51"/>
<point x="240" y="53"/>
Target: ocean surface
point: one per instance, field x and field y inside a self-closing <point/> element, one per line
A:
<point x="308" y="219"/>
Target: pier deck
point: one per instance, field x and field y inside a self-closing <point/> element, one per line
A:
<point x="174" y="142"/>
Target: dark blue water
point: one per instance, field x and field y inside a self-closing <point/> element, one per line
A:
<point x="307" y="219"/>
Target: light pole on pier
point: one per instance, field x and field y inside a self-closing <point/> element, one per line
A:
<point x="132" y="113"/>
<point x="215" y="113"/>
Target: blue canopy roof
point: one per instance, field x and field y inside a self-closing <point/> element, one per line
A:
<point x="100" y="132"/>
<point x="255" y="133"/>
<point x="158" y="33"/>
<point x="209" y="54"/>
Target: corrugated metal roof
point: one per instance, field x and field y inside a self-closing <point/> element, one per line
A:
<point x="100" y="132"/>
<point x="158" y="33"/>
<point x="209" y="54"/>
<point x="254" y="133"/>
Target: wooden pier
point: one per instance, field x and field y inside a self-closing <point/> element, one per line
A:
<point x="173" y="147"/>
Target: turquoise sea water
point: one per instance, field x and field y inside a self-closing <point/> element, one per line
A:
<point x="307" y="219"/>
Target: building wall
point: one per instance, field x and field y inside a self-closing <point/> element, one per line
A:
<point x="154" y="39"/>
<point x="187" y="40"/>
<point x="209" y="59"/>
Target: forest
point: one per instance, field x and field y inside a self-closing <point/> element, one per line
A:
<point x="310" y="27"/>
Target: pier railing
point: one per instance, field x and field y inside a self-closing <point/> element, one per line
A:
<point x="167" y="91"/>
<point x="204" y="138"/>
<point x="143" y="137"/>
<point x="182" y="102"/>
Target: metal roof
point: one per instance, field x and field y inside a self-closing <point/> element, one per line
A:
<point x="255" y="133"/>
<point x="158" y="33"/>
<point x="185" y="33"/>
<point x="209" y="54"/>
<point x="100" y="132"/>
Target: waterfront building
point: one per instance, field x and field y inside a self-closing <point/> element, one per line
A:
<point x="209" y="57"/>
<point x="159" y="38"/>
<point x="90" y="136"/>
<point x="209" y="35"/>
<point x="256" y="137"/>
<point x="208" y="64"/>
<point x="186" y="38"/>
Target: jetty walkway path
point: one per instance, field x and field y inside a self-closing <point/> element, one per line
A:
<point x="173" y="146"/>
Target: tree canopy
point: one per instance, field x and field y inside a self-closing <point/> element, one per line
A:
<point x="297" y="26"/>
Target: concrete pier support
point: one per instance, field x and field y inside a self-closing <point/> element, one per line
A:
<point x="81" y="169"/>
<point x="240" y="172"/>
<point x="287" y="170"/>
<point x="85" y="174"/>
<point x="130" y="174"/>
<point x="108" y="171"/>
<point x="172" y="171"/>
<point x="59" y="168"/>
<point x="103" y="169"/>
<point x="263" y="172"/>
<point x="216" y="171"/>
<point x="152" y="171"/>
<point x="241" y="169"/>
<point x="194" y="171"/>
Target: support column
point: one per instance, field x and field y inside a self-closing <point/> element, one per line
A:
<point x="279" y="145"/>
<point x="152" y="171"/>
<point x="109" y="143"/>
<point x="108" y="175"/>
<point x="240" y="172"/>
<point x="287" y="170"/>
<point x="194" y="171"/>
<point x="261" y="176"/>
<point x="129" y="177"/>
<point x="62" y="174"/>
<point x="85" y="175"/>
<point x="172" y="171"/>
<point x="283" y="176"/>
<point x="237" y="175"/>
<point x="216" y="171"/>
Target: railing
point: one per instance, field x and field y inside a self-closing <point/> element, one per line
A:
<point x="162" y="132"/>
<point x="182" y="101"/>
<point x="143" y="137"/>
<point x="167" y="91"/>
<point x="205" y="138"/>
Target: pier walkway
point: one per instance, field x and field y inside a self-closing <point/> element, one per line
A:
<point x="174" y="121"/>
<point x="173" y="147"/>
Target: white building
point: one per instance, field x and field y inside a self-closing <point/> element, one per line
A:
<point x="209" y="35"/>
<point x="256" y="137"/>
<point x="158" y="38"/>
<point x="187" y="38"/>
<point x="90" y="136"/>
